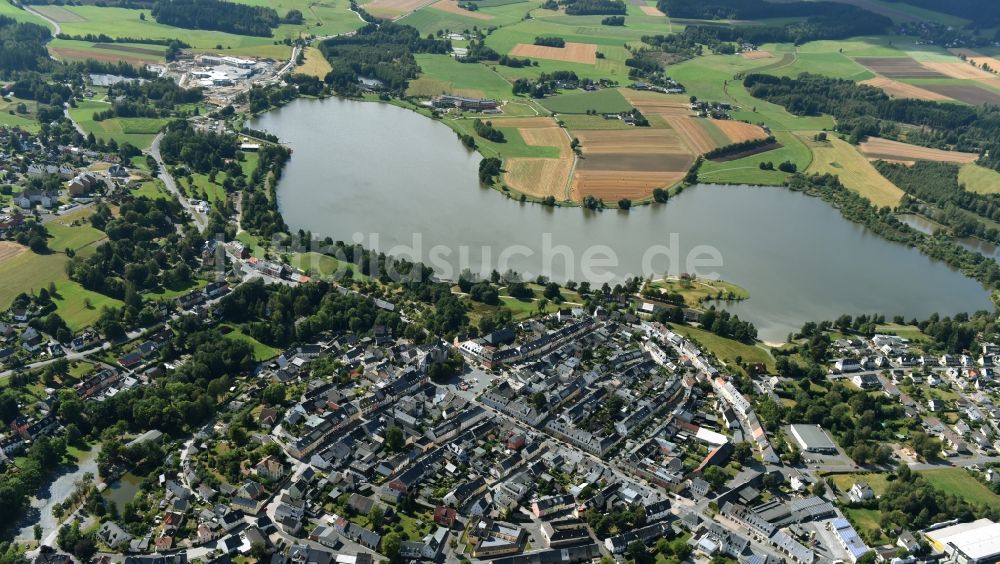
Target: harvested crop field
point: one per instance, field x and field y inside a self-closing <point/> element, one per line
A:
<point x="651" y="11"/>
<point x="392" y="8"/>
<point x="899" y="89"/>
<point x="59" y="14"/>
<point x="614" y="185"/>
<point x="129" y="49"/>
<point x="968" y="93"/>
<point x="899" y="67"/>
<point x="655" y="103"/>
<point x="634" y="140"/>
<point x="547" y="137"/>
<point x="855" y="172"/>
<point x="538" y="177"/>
<point x="572" y="52"/>
<point x="978" y="58"/>
<point x="962" y="70"/>
<point x="65" y="54"/>
<point x="754" y="55"/>
<point x="10" y="249"/>
<point x="523" y="122"/>
<point x="878" y="148"/>
<point x="452" y="7"/>
<point x="639" y="162"/>
<point x="738" y="131"/>
<point x="692" y="133"/>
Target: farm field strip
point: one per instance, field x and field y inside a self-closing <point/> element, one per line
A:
<point x="452" y="7"/>
<point x="978" y="58"/>
<point x="394" y="8"/>
<point x="539" y="177"/>
<point x="572" y="53"/>
<point x="754" y="55"/>
<point x="968" y="93"/>
<point x="739" y="131"/>
<point x="878" y="148"/>
<point x="901" y="67"/>
<point x="614" y="185"/>
<point x="692" y="133"/>
<point x="652" y="11"/>
<point x="899" y="89"/>
<point x="633" y="140"/>
<point x="855" y="171"/>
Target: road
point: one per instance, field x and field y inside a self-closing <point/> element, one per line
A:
<point x="154" y="150"/>
<point x="56" y="492"/>
<point x="57" y="29"/>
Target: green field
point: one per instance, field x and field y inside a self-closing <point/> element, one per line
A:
<point x="261" y="352"/>
<point x="958" y="481"/>
<point x="697" y="291"/>
<point x="514" y="146"/>
<point x="604" y="101"/>
<point x="727" y="350"/>
<point x="137" y="131"/>
<point x="877" y="481"/>
<point x="979" y="179"/>
<point x="747" y="170"/>
<point x="133" y="53"/>
<point x="442" y="74"/>
<point x="838" y="157"/>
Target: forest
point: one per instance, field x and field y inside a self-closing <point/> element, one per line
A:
<point x="217" y="15"/>
<point x="594" y="7"/>
<point x="22" y="46"/>
<point x="199" y="151"/>
<point x="383" y="52"/>
<point x="937" y="184"/>
<point x="981" y="14"/>
<point x="863" y="110"/>
<point x="753" y="9"/>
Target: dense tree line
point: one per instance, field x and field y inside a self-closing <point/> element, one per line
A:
<point x="281" y="315"/>
<point x="594" y="7"/>
<point x="911" y="502"/>
<point x="383" y="52"/>
<point x="950" y="204"/>
<point x="884" y="223"/>
<point x="864" y="110"/>
<point x="159" y="92"/>
<point x="980" y="14"/>
<point x="104" y="38"/>
<point x="260" y="213"/>
<point x="545" y="84"/>
<point x="22" y="46"/>
<point x="35" y="86"/>
<point x="741" y="147"/>
<point x="486" y="130"/>
<point x="142" y="252"/>
<point x="42" y="459"/>
<point x="217" y="15"/>
<point x="550" y="41"/>
<point x="200" y="151"/>
<point x="849" y="23"/>
<point x="613" y="21"/>
<point x="752" y="9"/>
<point x="489" y="169"/>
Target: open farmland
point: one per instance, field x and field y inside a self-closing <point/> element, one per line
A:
<point x="878" y="148"/>
<point x="961" y="70"/>
<point x="652" y="11"/>
<point x="738" y="131"/>
<point x="754" y="55"/>
<point x="693" y="132"/>
<point x="838" y="157"/>
<point x="603" y="101"/>
<point x="656" y="104"/>
<point x="979" y="179"/>
<point x="315" y="64"/>
<point x="539" y="177"/>
<point x="59" y="14"/>
<point x="572" y="53"/>
<point x="898" y="89"/>
<point x="628" y="163"/>
<point x="394" y="8"/>
<point x="452" y="7"/>
<point x="10" y="249"/>
<point x="978" y="59"/>
<point x="900" y="67"/>
<point x="968" y="93"/>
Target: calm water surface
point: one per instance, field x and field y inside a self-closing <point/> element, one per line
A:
<point x="399" y="182"/>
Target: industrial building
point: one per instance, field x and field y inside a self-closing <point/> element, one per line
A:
<point x="977" y="542"/>
<point x="812" y="438"/>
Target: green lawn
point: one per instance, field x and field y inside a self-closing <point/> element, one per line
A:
<point x="78" y="306"/>
<point x="317" y="264"/>
<point x="727" y="350"/>
<point x="137" y="131"/>
<point x="154" y="190"/>
<point x="28" y="273"/>
<point x="958" y="481"/>
<point x="72" y="236"/>
<point x="979" y="179"/>
<point x="442" y="74"/>
<point x="747" y="170"/>
<point x="513" y="145"/>
<point x="261" y="351"/>
<point x="867" y="522"/>
<point x="697" y="291"/>
<point x="604" y="101"/>
<point x="876" y="480"/>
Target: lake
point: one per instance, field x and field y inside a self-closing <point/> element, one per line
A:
<point x="398" y="182"/>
